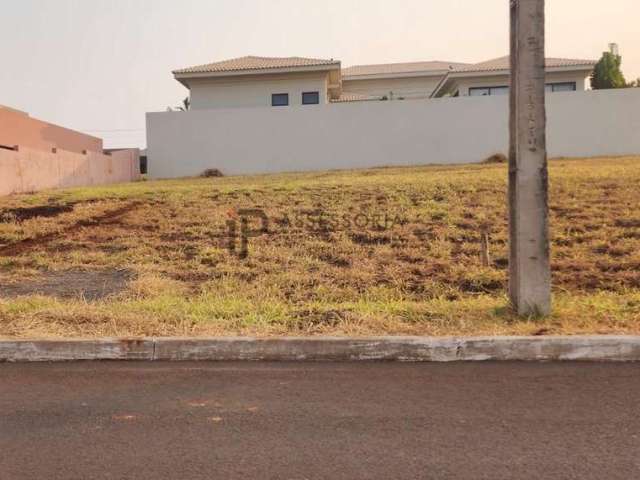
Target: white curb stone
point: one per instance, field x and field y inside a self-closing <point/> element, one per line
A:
<point x="309" y="348"/>
<point x="67" y="350"/>
<point x="405" y="349"/>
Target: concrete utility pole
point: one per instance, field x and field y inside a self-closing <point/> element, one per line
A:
<point x="529" y="268"/>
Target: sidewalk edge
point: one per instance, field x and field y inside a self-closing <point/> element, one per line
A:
<point x="406" y="349"/>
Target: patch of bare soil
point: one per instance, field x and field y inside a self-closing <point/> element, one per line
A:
<point x="107" y="218"/>
<point x="90" y="285"/>
<point x="27" y="213"/>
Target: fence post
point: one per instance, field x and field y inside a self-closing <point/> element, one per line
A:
<point x="529" y="268"/>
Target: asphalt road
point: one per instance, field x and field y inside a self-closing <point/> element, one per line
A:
<point x="319" y="421"/>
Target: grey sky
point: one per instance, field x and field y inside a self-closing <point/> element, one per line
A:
<point x="99" y="65"/>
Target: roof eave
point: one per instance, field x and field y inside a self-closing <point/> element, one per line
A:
<point x="573" y="68"/>
<point x="506" y="71"/>
<point x="182" y="81"/>
<point x="382" y="76"/>
<point x="181" y="75"/>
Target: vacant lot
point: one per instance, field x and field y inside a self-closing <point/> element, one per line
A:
<point x="382" y="251"/>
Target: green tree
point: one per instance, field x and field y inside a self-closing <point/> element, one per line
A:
<point x="607" y="73"/>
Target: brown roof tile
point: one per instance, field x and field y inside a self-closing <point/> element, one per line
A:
<point x="256" y="63"/>
<point x="399" y="68"/>
<point x="502" y="63"/>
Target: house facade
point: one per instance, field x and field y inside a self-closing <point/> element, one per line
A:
<point x="19" y="128"/>
<point x="396" y="81"/>
<point x="295" y="81"/>
<point x="492" y="77"/>
<point x="269" y="115"/>
<point x="261" y="82"/>
<point x="37" y="155"/>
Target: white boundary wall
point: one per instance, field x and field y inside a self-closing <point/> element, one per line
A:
<point x="26" y="170"/>
<point x="373" y="134"/>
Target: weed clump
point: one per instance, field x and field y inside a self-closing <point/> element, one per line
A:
<point x="211" y="172"/>
<point x="496" y="158"/>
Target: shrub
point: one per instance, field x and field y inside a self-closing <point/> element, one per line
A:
<point x="211" y="172"/>
<point x="496" y="158"/>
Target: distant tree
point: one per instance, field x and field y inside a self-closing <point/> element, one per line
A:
<point x="607" y="73"/>
<point x="186" y="105"/>
<point x="635" y="84"/>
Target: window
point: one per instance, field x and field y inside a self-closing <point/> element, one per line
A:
<point x="561" y="87"/>
<point x="500" y="91"/>
<point x="279" y="99"/>
<point x="549" y="87"/>
<point x="487" y="91"/>
<point x="310" y="98"/>
<point x="479" y="92"/>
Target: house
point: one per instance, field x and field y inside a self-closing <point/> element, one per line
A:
<point x="258" y="115"/>
<point x="396" y="80"/>
<point x="492" y="77"/>
<point x="261" y="81"/>
<point x="296" y="81"/>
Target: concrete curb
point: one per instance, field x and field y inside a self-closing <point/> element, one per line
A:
<point x="406" y="349"/>
<point x="67" y="350"/>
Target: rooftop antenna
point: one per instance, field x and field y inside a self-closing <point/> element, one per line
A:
<point x="613" y="48"/>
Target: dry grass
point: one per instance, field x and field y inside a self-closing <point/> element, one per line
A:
<point x="382" y="251"/>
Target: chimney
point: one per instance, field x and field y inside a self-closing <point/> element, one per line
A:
<point x="613" y="48"/>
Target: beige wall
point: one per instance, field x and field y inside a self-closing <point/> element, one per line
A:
<point x="413" y="87"/>
<point x="233" y="92"/>
<point x="465" y="83"/>
<point x="370" y="134"/>
<point x="18" y="128"/>
<point x="27" y="170"/>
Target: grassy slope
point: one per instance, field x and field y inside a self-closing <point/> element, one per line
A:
<point x="330" y="274"/>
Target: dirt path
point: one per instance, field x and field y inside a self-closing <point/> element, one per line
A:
<point x="28" y="244"/>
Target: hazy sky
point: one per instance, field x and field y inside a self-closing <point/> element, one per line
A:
<point x="99" y="65"/>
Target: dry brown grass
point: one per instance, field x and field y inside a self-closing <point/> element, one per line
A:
<point x="382" y="251"/>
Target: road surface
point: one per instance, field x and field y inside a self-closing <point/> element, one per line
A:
<point x="319" y="421"/>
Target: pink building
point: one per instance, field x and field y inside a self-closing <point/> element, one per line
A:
<point x="36" y="155"/>
<point x="18" y="128"/>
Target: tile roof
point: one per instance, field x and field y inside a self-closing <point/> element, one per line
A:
<point x="503" y="63"/>
<point x="399" y="68"/>
<point x="256" y="63"/>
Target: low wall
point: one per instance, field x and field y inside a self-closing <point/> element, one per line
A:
<point x="370" y="134"/>
<point x="18" y="128"/>
<point x="27" y="170"/>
